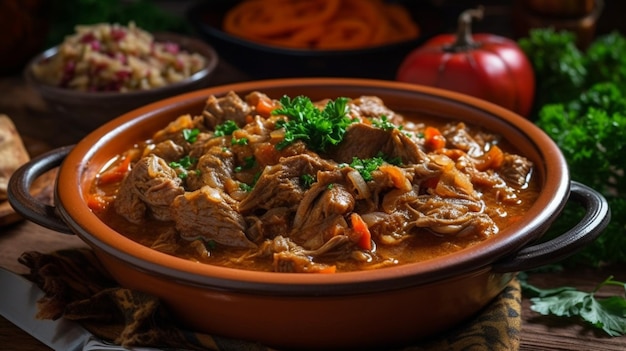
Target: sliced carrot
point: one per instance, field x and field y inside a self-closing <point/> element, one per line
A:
<point x="115" y="174"/>
<point x="328" y="270"/>
<point x="434" y="139"/>
<point x="492" y="159"/>
<point x="454" y="154"/>
<point x="264" y="107"/>
<point x="96" y="202"/>
<point x="266" y="154"/>
<point x="397" y="176"/>
<point x="363" y="237"/>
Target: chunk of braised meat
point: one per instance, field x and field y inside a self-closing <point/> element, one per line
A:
<point x="458" y="137"/>
<point x="404" y="147"/>
<point x="274" y="222"/>
<point x="214" y="168"/>
<point x="174" y="130"/>
<point x="515" y="170"/>
<point x="392" y="143"/>
<point x="280" y="185"/>
<point x="372" y="107"/>
<point x="229" y="107"/>
<point x="321" y="214"/>
<point x="150" y="187"/>
<point x="168" y="151"/>
<point x="208" y="214"/>
<point x="353" y="145"/>
<point x="451" y="182"/>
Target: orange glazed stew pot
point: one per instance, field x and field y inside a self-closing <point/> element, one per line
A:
<point x="393" y="306"/>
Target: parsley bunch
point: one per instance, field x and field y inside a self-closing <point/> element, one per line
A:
<point x="591" y="133"/>
<point x="581" y="105"/>
<point x="319" y="129"/>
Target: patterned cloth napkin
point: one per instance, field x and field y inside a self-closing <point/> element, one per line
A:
<point x="78" y="288"/>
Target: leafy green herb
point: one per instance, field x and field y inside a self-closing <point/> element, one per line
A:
<point x="558" y="65"/>
<point x="318" y="129"/>
<point x="581" y="105"/>
<point x="191" y="135"/>
<point x="245" y="187"/>
<point x="184" y="162"/>
<point x="591" y="133"/>
<point x="366" y="166"/>
<point x="248" y="187"/>
<point x="307" y="180"/>
<point x="384" y="123"/>
<point x="210" y="244"/>
<point x="608" y="314"/>
<point x="249" y="162"/>
<point x="226" y="128"/>
<point x="240" y="141"/>
<point x="182" y="166"/>
<point x="606" y="60"/>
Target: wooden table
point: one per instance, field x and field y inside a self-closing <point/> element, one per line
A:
<point x="42" y="131"/>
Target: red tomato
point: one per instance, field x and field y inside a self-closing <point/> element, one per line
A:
<point x="486" y="66"/>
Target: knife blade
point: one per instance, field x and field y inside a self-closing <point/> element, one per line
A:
<point x="18" y="304"/>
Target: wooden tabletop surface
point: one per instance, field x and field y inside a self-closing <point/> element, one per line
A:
<point x="43" y="130"/>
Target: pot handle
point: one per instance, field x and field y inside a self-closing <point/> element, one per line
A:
<point x="19" y="190"/>
<point x="596" y="218"/>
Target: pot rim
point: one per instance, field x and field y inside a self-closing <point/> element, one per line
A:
<point x="476" y="258"/>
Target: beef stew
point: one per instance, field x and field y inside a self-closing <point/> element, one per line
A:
<point x="292" y="185"/>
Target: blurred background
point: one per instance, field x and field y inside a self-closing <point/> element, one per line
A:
<point x="29" y="26"/>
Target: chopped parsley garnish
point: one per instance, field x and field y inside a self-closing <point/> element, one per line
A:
<point x="184" y="162"/>
<point x="245" y="187"/>
<point x="366" y="166"/>
<point x="248" y="187"/>
<point x="384" y="123"/>
<point x="240" y="141"/>
<point x="191" y="135"/>
<point x="183" y="166"/>
<point x="307" y="180"/>
<point x="249" y="162"/>
<point x="211" y="244"/>
<point x="226" y="128"/>
<point x="318" y="129"/>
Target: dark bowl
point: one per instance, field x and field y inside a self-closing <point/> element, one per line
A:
<point x="90" y="110"/>
<point x="264" y="61"/>
<point x="377" y="308"/>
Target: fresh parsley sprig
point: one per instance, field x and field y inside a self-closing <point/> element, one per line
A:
<point x="191" y="135"/>
<point x="368" y="165"/>
<point x="608" y="314"/>
<point x="318" y="129"/>
<point x="183" y="166"/>
<point x="384" y="123"/>
<point x="226" y="128"/>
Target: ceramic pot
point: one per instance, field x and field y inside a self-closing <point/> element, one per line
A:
<point x="365" y="309"/>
